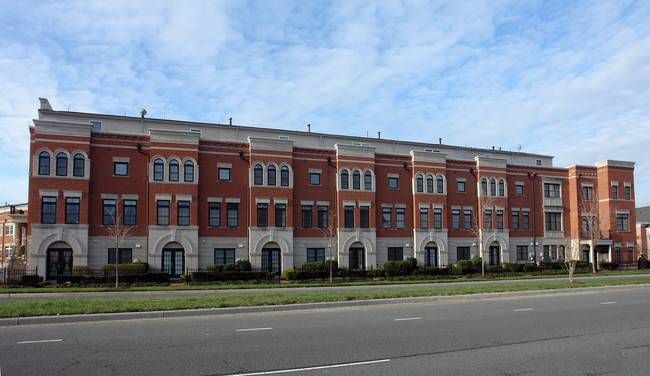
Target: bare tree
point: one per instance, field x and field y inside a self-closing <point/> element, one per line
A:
<point x="570" y="253"/>
<point x="117" y="232"/>
<point x="329" y="238"/>
<point x="595" y="221"/>
<point x="478" y="226"/>
<point x="17" y="263"/>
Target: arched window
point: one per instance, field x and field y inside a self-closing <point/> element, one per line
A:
<point x="502" y="188"/>
<point x="419" y="183"/>
<point x="258" y="173"/>
<point x="493" y="187"/>
<point x="158" y="167"/>
<point x="173" y="170"/>
<point x="284" y="176"/>
<point x="271" y="175"/>
<point x="430" y="184"/>
<point x="78" y="165"/>
<point x="367" y="180"/>
<point x="44" y="163"/>
<point x="484" y="187"/>
<point x="440" y="182"/>
<point x="356" y="180"/>
<point x="189" y="171"/>
<point x="345" y="184"/>
<point x="61" y="164"/>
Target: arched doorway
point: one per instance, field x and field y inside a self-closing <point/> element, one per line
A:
<point x="431" y="254"/>
<point x="271" y="255"/>
<point x="59" y="260"/>
<point x="173" y="259"/>
<point x="495" y="254"/>
<point x="357" y="256"/>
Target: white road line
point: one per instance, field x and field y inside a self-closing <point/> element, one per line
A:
<point x="41" y="341"/>
<point x="312" y="368"/>
<point x="253" y="329"/>
<point x="608" y="303"/>
<point x="523" y="309"/>
<point x="409" y="318"/>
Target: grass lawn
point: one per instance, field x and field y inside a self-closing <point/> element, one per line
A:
<point x="48" y="307"/>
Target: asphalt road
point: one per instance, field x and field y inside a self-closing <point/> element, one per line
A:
<point x="577" y="333"/>
<point x="180" y="293"/>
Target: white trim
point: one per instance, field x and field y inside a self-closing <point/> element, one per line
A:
<point x="47" y="192"/>
<point x="184" y="198"/>
<point x="215" y="199"/>
<point x="72" y="194"/>
<point x="233" y="200"/>
<point x="122" y="159"/>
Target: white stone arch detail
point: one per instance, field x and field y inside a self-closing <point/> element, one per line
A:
<point x="195" y="173"/>
<point x="259" y="245"/>
<point x="372" y="179"/>
<point x="338" y="179"/>
<point x="352" y="171"/>
<point x="505" y="187"/>
<point x="164" y="240"/>
<point x="72" y="241"/>
<point x="422" y="176"/>
<point x="278" y="175"/>
<point x="361" y="239"/>
<point x="444" y="184"/>
<point x="498" y="239"/>
<point x="251" y="174"/>
<point x="36" y="159"/>
<point x="440" y="243"/>
<point x="151" y="168"/>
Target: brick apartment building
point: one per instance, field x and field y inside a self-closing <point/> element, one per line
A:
<point x="13" y="219"/>
<point x="201" y="194"/>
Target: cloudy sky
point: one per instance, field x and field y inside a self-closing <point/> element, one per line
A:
<point x="564" y="78"/>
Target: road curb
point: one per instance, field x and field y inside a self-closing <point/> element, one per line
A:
<point x="125" y="316"/>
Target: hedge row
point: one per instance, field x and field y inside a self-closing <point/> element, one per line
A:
<point x="198" y="277"/>
<point x="148" y="277"/>
<point x="239" y="266"/>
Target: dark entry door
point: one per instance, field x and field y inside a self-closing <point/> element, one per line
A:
<point x="431" y="256"/>
<point x="357" y="258"/>
<point x="59" y="262"/>
<point x="173" y="262"/>
<point x="494" y="256"/>
<point x="271" y="260"/>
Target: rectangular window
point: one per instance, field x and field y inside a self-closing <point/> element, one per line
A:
<point x="364" y="216"/>
<point x="224" y="174"/>
<point x="461" y="186"/>
<point x="9" y="230"/>
<point x="121" y="169"/>
<point x="386" y="218"/>
<point x="437" y="218"/>
<point x="455" y="219"/>
<point x="551" y="190"/>
<point x="630" y="255"/>
<point x="463" y="253"/>
<point x="315" y="254"/>
<point x="162" y="213"/>
<point x="280" y="215"/>
<point x="519" y="189"/>
<point x="97" y="125"/>
<point x="322" y="217"/>
<point x="617" y="254"/>
<point x="314" y="179"/>
<point x="424" y="218"/>
<point x="467" y="219"/>
<point x="124" y="256"/>
<point x="262" y="215"/>
<point x="627" y="193"/>
<point x="306" y="216"/>
<point x="224" y="256"/>
<point x="48" y="210"/>
<point x="108" y="212"/>
<point x="587" y="193"/>
<point x="525" y="220"/>
<point x="399" y="218"/>
<point x="183" y="213"/>
<point x="515" y="220"/>
<point x="395" y="254"/>
<point x="349" y="216"/>
<point x="615" y="192"/>
<point x="522" y="252"/>
<point x="232" y="214"/>
<point x="553" y="221"/>
<point x="392" y="183"/>
<point x="130" y="212"/>
<point x="214" y="214"/>
<point x="622" y="222"/>
<point x="499" y="219"/>
<point x="72" y="210"/>
<point x="488" y="220"/>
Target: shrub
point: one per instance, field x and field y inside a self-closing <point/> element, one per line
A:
<point x="455" y="270"/>
<point x="31" y="280"/>
<point x="376" y="273"/>
<point x="609" y="265"/>
<point x="515" y="267"/>
<point x="493" y="269"/>
<point x="289" y="275"/>
<point x="214" y="268"/>
<point x="644" y="263"/>
<point x="476" y="263"/>
<point x="243" y="266"/>
<point x="227" y="276"/>
<point x="335" y="265"/>
<point x="528" y="268"/>
<point x="431" y="271"/>
<point x="398" y="268"/>
<point x="229" y="267"/>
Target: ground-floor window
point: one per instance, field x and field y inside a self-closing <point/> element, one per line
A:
<point x="431" y="256"/>
<point x="395" y="254"/>
<point x="224" y="256"/>
<point x="59" y="262"/>
<point x="124" y="256"/>
<point x="463" y="253"/>
<point x="522" y="252"/>
<point x="173" y="262"/>
<point x="315" y="254"/>
<point x="271" y="260"/>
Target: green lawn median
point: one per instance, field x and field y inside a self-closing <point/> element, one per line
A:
<point x="71" y="306"/>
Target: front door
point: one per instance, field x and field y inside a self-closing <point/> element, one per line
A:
<point x="357" y="260"/>
<point x="173" y="262"/>
<point x="494" y="256"/>
<point x="430" y="256"/>
<point x="59" y="262"/>
<point x="271" y="260"/>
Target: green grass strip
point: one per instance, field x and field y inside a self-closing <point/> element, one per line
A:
<point x="48" y="307"/>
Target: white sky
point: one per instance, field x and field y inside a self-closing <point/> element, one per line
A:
<point x="564" y="78"/>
